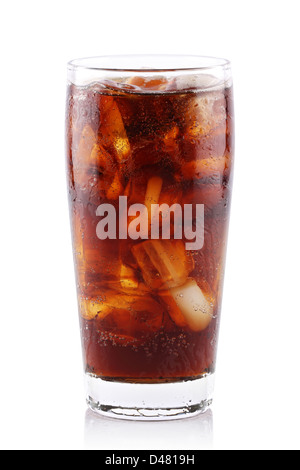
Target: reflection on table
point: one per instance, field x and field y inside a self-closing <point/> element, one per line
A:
<point x="105" y="433"/>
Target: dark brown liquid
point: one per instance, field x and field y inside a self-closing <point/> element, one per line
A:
<point x="117" y="141"/>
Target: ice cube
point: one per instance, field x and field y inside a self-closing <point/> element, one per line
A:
<point x="206" y="178"/>
<point x="196" y="82"/>
<point x="144" y="187"/>
<point x="164" y="263"/>
<point x="92" y="308"/>
<point x="205" y="112"/>
<point x="123" y="314"/>
<point x="112" y="130"/>
<point x="143" y="316"/>
<point x="97" y="262"/>
<point x="82" y="156"/>
<point x="152" y="196"/>
<point x="125" y="279"/>
<point x="205" y="168"/>
<point x="126" y="255"/>
<point x="87" y="141"/>
<point x="189" y="306"/>
<point x="102" y="159"/>
<point x="148" y="83"/>
<point x="95" y="170"/>
<point x="146" y="191"/>
<point x="153" y="191"/>
<point x="103" y="304"/>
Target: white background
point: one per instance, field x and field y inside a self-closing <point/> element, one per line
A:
<point x="42" y="403"/>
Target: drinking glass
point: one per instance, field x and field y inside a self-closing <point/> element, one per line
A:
<point x="149" y="144"/>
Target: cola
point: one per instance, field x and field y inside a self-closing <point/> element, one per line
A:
<point x="149" y="163"/>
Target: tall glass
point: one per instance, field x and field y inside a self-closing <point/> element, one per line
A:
<point x="149" y="161"/>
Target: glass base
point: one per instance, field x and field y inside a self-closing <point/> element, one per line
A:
<point x="161" y="401"/>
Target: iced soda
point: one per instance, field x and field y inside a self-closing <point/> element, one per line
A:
<point x="149" y="178"/>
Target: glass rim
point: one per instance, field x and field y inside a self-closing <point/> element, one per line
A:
<point x="190" y="63"/>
